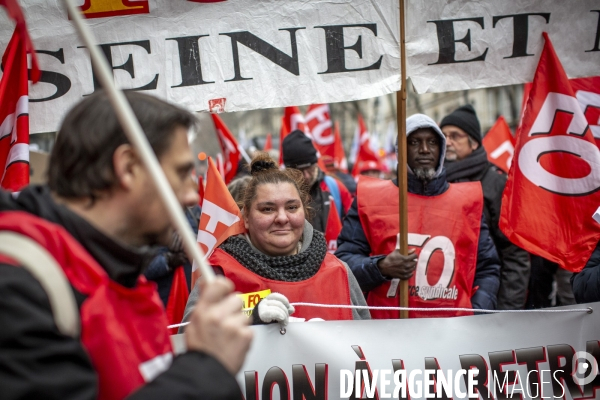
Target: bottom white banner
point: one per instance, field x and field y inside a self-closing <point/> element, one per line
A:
<point x="495" y="357"/>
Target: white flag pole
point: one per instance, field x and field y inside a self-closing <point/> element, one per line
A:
<point x="136" y="136"/>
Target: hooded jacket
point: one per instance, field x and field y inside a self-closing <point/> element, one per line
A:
<point x="354" y="248"/>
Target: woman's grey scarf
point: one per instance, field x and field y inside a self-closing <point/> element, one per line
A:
<point x="295" y="268"/>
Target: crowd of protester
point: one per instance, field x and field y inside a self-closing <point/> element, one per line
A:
<point x="89" y="325"/>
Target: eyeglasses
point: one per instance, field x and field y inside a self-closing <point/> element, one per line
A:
<point x="455" y="136"/>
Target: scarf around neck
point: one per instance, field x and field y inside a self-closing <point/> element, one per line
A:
<point x="294" y="268"/>
<point x="464" y="170"/>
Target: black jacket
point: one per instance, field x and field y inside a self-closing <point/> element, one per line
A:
<point x="586" y="284"/>
<point x="354" y="249"/>
<point x="38" y="362"/>
<point x="515" y="270"/>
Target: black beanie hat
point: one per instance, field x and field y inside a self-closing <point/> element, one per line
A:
<point x="466" y="119"/>
<point x="298" y="150"/>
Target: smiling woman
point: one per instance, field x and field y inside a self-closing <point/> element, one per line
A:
<point x="282" y="253"/>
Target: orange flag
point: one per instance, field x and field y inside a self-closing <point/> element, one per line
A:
<point x="220" y="218"/>
<point x="499" y="145"/>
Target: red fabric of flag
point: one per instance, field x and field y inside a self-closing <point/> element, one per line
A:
<point x="14" y="114"/>
<point x="587" y="92"/>
<point x="318" y="121"/>
<point x="229" y="148"/>
<point x="221" y="216"/>
<point x="499" y="145"/>
<point x="178" y="297"/>
<point x="365" y="153"/>
<point x="268" y="143"/>
<point x="553" y="185"/>
<point x="339" y="156"/>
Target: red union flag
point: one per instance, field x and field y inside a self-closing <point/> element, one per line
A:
<point x="499" y="145"/>
<point x="365" y="156"/>
<point x="553" y="186"/>
<point x="339" y="157"/>
<point x="587" y="92"/>
<point x="14" y="104"/>
<point x="220" y="218"/>
<point x="229" y="149"/>
<point x="294" y="119"/>
<point x="319" y="125"/>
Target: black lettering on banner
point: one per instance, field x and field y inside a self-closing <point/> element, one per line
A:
<point x="398" y="365"/>
<point x="520" y="31"/>
<point x="532" y="357"/>
<point x="432" y="364"/>
<point x="501" y="380"/>
<point x="189" y="61"/>
<point x="447" y="40"/>
<point x="270" y="52"/>
<point x="303" y="387"/>
<point x="275" y="376"/>
<point x="560" y="359"/>
<point x="126" y="66"/>
<point x="336" y="51"/>
<point x="592" y="347"/>
<point x="62" y="82"/>
<point x="470" y="361"/>
<point x="251" y="381"/>
<point x="597" y="42"/>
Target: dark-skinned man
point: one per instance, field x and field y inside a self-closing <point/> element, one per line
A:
<point x="452" y="261"/>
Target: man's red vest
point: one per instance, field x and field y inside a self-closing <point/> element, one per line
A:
<point x="444" y="231"/>
<point x="123" y="330"/>
<point x="334" y="224"/>
<point x="328" y="286"/>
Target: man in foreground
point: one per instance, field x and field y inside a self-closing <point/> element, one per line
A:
<point x="452" y="261"/>
<point x="104" y="336"/>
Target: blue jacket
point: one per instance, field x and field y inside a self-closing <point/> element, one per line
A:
<point x="354" y="249"/>
<point x="586" y="284"/>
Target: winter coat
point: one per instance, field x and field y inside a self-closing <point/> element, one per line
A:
<point x="40" y="362"/>
<point x="515" y="264"/>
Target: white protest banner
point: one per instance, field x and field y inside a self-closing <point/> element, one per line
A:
<point x="526" y="354"/>
<point x="227" y="56"/>
<point x="465" y="44"/>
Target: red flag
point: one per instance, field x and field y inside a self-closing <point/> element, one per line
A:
<point x="220" y="217"/>
<point x="365" y="153"/>
<point x="294" y="119"/>
<point x="229" y="148"/>
<point x="14" y="116"/>
<point x="499" y="145"/>
<point x="553" y="185"/>
<point x="268" y="143"/>
<point x="339" y="157"/>
<point x="319" y="125"/>
<point x="283" y="132"/>
<point x="178" y="297"/>
<point x="587" y="92"/>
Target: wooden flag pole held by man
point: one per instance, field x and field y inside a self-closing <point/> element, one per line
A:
<point x="136" y="136"/>
<point x="402" y="168"/>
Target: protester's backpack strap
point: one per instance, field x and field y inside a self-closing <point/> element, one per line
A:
<point x="49" y="274"/>
<point x="335" y="192"/>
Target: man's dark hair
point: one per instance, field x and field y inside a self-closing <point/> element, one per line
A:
<point x="81" y="163"/>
